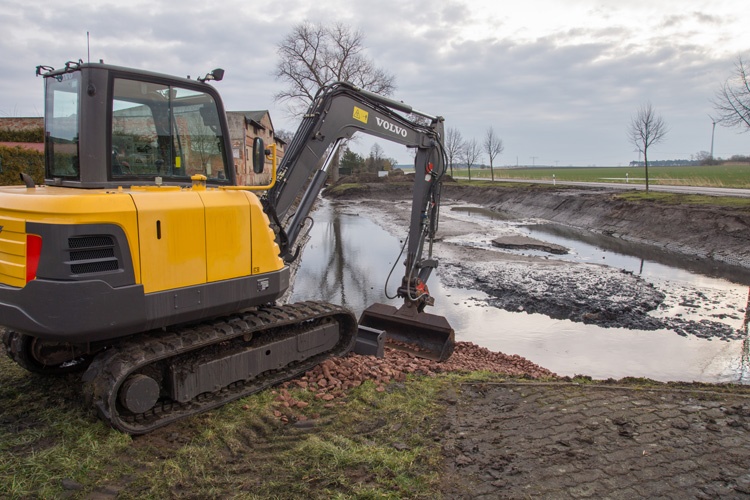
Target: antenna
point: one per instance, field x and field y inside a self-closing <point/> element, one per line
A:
<point x="88" y="47"/>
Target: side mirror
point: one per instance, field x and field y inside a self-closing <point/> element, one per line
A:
<point x="217" y="74"/>
<point x="259" y="155"/>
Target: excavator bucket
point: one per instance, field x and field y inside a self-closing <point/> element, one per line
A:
<point x="422" y="334"/>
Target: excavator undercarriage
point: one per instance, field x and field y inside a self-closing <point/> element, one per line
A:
<point x="145" y="383"/>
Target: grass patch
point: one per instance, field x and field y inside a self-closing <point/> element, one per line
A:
<point x="727" y="175"/>
<point x="369" y="444"/>
<point x="46" y="436"/>
<point x="684" y="199"/>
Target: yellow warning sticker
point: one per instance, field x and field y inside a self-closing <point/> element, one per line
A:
<point x="360" y="115"/>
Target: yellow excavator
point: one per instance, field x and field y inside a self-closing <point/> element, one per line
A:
<point x="141" y="261"/>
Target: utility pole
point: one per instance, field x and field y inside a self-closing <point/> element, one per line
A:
<point x="533" y="160"/>
<point x="713" y="130"/>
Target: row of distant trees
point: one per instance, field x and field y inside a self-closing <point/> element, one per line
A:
<point x="470" y="152"/>
<point x="354" y="163"/>
<point x="702" y="158"/>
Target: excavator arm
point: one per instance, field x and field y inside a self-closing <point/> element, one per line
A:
<point x="335" y="115"/>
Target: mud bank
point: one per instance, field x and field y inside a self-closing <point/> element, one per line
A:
<point x="720" y="234"/>
<point x="715" y="233"/>
<point x="581" y="292"/>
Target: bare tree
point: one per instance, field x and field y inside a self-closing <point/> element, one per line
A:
<point x="454" y="144"/>
<point x="493" y="146"/>
<point x="732" y="100"/>
<point x="314" y="55"/>
<point x="284" y="135"/>
<point x="646" y="129"/>
<point x="377" y="160"/>
<point x="471" y="153"/>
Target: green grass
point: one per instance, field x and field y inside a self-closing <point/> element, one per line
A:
<point x="369" y="444"/>
<point x="734" y="176"/>
<point x="685" y="199"/>
<point x="46" y="436"/>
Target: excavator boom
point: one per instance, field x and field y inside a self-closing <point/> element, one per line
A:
<point x="335" y="115"/>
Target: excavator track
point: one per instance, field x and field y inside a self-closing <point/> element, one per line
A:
<point x="160" y="377"/>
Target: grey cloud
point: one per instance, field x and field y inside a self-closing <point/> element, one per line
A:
<point x="566" y="96"/>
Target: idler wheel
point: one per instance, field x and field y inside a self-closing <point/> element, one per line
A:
<point x="139" y="393"/>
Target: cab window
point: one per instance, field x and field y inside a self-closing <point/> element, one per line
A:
<point x="61" y="125"/>
<point x="164" y="131"/>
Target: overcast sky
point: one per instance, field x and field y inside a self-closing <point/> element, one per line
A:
<point x="558" y="80"/>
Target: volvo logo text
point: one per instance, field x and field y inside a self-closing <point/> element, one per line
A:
<point x="390" y="127"/>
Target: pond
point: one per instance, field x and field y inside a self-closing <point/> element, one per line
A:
<point x="349" y="256"/>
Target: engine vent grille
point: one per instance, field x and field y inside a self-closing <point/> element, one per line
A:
<point x="94" y="267"/>
<point x="92" y="254"/>
<point x="90" y="241"/>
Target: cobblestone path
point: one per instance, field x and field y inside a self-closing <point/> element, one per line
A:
<point x="596" y="441"/>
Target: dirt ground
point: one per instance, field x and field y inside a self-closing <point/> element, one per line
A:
<point x="595" y="441"/>
<point x="562" y="440"/>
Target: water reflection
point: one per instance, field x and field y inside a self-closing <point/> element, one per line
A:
<point x="348" y="258"/>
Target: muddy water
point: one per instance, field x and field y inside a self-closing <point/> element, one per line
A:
<point x="349" y="256"/>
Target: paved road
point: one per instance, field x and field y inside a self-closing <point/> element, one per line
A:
<point x="743" y="193"/>
<point x="597" y="441"/>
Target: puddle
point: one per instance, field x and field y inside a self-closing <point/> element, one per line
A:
<point x="349" y="256"/>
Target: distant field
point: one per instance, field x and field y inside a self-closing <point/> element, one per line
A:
<point x="733" y="176"/>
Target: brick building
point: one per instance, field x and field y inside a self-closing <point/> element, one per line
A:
<point x="244" y="127"/>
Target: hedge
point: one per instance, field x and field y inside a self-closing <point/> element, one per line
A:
<point x="29" y="135"/>
<point x="15" y="160"/>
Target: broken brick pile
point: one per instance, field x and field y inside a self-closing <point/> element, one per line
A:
<point x="333" y="377"/>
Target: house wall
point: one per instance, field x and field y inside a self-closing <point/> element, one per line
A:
<point x="242" y="132"/>
<point x="17" y="124"/>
